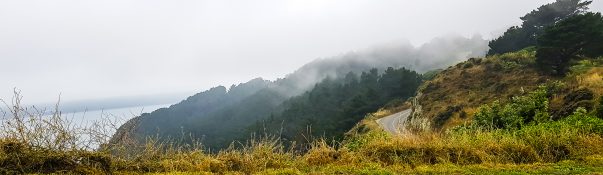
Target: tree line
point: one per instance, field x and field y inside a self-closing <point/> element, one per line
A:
<point x="335" y="105"/>
<point x="562" y="31"/>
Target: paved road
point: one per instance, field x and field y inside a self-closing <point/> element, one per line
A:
<point x="392" y="123"/>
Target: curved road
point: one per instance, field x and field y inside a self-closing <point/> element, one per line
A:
<point x="393" y="123"/>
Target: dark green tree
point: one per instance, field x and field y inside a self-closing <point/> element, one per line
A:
<point x="571" y="38"/>
<point x="515" y="38"/>
<point x="549" y="14"/>
<point x="534" y="23"/>
<point x="335" y="105"/>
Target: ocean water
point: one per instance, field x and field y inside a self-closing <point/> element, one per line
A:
<point x="107" y="122"/>
<point x="117" y="116"/>
<point x="109" y="119"/>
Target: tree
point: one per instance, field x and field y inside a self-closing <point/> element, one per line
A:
<point x="579" y="35"/>
<point x="336" y="105"/>
<point x="534" y="23"/>
<point x="549" y="14"/>
<point x="515" y="38"/>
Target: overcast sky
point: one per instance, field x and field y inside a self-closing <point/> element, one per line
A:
<point x="87" y="49"/>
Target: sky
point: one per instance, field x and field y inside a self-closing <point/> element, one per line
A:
<point x="84" y="49"/>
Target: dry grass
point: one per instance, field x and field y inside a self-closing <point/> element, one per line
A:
<point x="461" y="89"/>
<point x="592" y="79"/>
<point x="541" y="147"/>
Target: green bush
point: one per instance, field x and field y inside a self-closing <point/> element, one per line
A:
<point x="600" y="108"/>
<point x="531" y="108"/>
<point x="584" y="123"/>
<point x="582" y="66"/>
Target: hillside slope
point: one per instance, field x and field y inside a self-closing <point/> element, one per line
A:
<point x="453" y="96"/>
<point x="220" y="116"/>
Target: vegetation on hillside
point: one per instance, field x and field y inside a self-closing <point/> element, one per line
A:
<point x="452" y="96"/>
<point x="570" y="145"/>
<point x="222" y="115"/>
<point x="532" y="108"/>
<point x="562" y="31"/>
<point x="547" y="127"/>
<point x="334" y="106"/>
<point x="560" y="38"/>
<point x="574" y="38"/>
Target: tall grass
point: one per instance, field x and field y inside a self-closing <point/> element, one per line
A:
<point x="43" y="146"/>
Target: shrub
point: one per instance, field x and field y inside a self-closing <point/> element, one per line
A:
<point x="468" y="65"/>
<point x="600" y="108"/>
<point x="520" y="111"/>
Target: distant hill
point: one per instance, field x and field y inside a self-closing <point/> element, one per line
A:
<point x="222" y="115"/>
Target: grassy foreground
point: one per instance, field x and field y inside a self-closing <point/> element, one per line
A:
<point x="566" y="167"/>
<point x="568" y="146"/>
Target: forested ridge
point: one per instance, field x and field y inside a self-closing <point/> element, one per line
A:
<point x="335" y="105"/>
<point x="221" y="115"/>
<point x="327" y="110"/>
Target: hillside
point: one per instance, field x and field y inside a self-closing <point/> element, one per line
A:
<point x="456" y="93"/>
<point x="564" y="145"/>
<point x="221" y="115"/>
<point x="334" y="106"/>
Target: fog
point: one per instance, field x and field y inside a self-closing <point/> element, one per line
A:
<point x="113" y="49"/>
<point x="438" y="53"/>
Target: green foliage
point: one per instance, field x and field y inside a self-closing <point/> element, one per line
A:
<point x="575" y="36"/>
<point x="509" y="65"/>
<point x="202" y="115"/>
<point x="600" y="108"/>
<point x="581" y="121"/>
<point x="551" y="13"/>
<point x="334" y="106"/>
<point x="513" y="60"/>
<point x="222" y="115"/>
<point x="514" y="39"/>
<point x="531" y="108"/>
<point x="583" y="66"/>
<point x="519" y="37"/>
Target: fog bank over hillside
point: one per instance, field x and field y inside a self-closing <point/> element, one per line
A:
<point x="438" y="53"/>
<point x="221" y="115"/>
